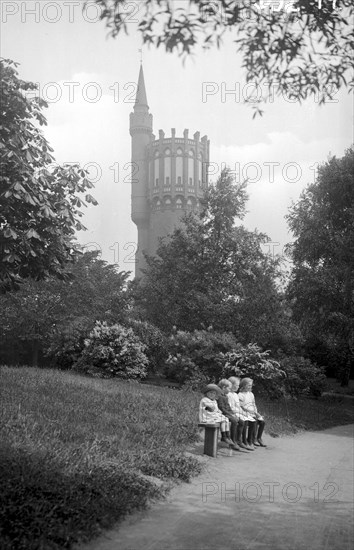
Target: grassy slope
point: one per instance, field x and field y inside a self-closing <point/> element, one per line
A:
<point x="74" y="450"/>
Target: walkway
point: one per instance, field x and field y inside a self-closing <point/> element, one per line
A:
<point x="296" y="494"/>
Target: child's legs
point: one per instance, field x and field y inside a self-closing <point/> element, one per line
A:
<point x="244" y="432"/>
<point x="233" y="428"/>
<point x="251" y="432"/>
<point x="240" y="430"/>
<point x="261" y="425"/>
<point x="224" y="428"/>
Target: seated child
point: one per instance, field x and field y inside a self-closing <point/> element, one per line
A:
<point x="209" y="412"/>
<point x="237" y="411"/>
<point x="255" y="420"/>
<point x="224" y="406"/>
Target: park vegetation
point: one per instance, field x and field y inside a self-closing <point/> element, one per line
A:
<point x="76" y="430"/>
<point x="79" y="453"/>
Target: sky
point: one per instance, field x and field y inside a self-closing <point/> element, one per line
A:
<point x="89" y="81"/>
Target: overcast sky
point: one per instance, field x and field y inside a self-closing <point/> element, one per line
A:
<point x="89" y="81"/>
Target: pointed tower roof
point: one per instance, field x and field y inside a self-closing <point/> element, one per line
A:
<point x="141" y="99"/>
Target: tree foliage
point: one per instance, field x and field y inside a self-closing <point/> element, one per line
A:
<point x="39" y="201"/>
<point x="212" y="272"/>
<point x="322" y="280"/>
<point x="300" y="48"/>
<point x="55" y="316"/>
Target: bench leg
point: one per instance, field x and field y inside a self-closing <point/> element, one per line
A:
<point x="210" y="442"/>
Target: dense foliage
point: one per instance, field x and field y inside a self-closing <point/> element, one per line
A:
<point x="53" y="317"/>
<point x="221" y="277"/>
<point x="198" y="357"/>
<point x="322" y="281"/>
<point x="251" y="361"/>
<point x="155" y="341"/>
<point x="39" y="201"/>
<point x="113" y="351"/>
<point x="302" y="377"/>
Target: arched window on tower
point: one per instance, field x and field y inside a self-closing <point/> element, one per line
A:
<point x="168" y="203"/>
<point x="158" y="204"/>
<point x="156" y="169"/>
<point x="179" y="204"/>
<point x="179" y="170"/>
<point x="189" y="204"/>
<point x="190" y="168"/>
<point x="167" y="170"/>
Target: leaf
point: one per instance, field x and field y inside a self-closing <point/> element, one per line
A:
<point x="32" y="234"/>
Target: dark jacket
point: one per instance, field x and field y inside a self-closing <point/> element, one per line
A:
<point x="224" y="406"/>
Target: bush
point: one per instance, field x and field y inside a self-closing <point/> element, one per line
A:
<point x="198" y="357"/>
<point x="68" y="342"/>
<point x="254" y="363"/>
<point x="302" y="377"/>
<point x="155" y="341"/>
<point x="113" y="351"/>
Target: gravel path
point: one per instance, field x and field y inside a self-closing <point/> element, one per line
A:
<point x="296" y="494"/>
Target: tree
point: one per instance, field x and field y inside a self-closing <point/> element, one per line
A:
<point x="322" y="279"/>
<point x="39" y="201"/>
<point x="299" y="48"/>
<point x="212" y="272"/>
<point x="56" y="315"/>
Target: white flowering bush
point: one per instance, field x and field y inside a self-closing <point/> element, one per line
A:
<point x="113" y="351"/>
<point x="251" y="361"/>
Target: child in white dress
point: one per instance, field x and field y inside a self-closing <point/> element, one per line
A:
<point x="237" y="411"/>
<point x="255" y="420"/>
<point x="209" y="412"/>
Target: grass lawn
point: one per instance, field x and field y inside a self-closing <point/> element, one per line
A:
<point x="77" y="454"/>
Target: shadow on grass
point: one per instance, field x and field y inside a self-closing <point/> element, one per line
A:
<point x="43" y="508"/>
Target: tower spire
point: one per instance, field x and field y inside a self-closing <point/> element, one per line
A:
<point x="141" y="99"/>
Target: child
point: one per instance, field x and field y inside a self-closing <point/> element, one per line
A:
<point x="224" y="406"/>
<point x="255" y="420"/>
<point x="209" y="412"/>
<point x="237" y="411"/>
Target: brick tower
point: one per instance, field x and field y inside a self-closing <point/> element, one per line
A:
<point x="168" y="179"/>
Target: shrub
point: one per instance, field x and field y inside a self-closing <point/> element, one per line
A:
<point x="113" y="351"/>
<point x="302" y="377"/>
<point x="197" y="357"/>
<point x="68" y="342"/>
<point x="155" y="341"/>
<point x="252" y="362"/>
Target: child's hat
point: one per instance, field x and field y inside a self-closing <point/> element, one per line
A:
<point x="212" y="387"/>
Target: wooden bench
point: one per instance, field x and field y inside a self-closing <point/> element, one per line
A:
<point x="210" y="438"/>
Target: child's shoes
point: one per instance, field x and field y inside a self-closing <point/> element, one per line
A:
<point x="242" y="445"/>
<point x="227" y="440"/>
